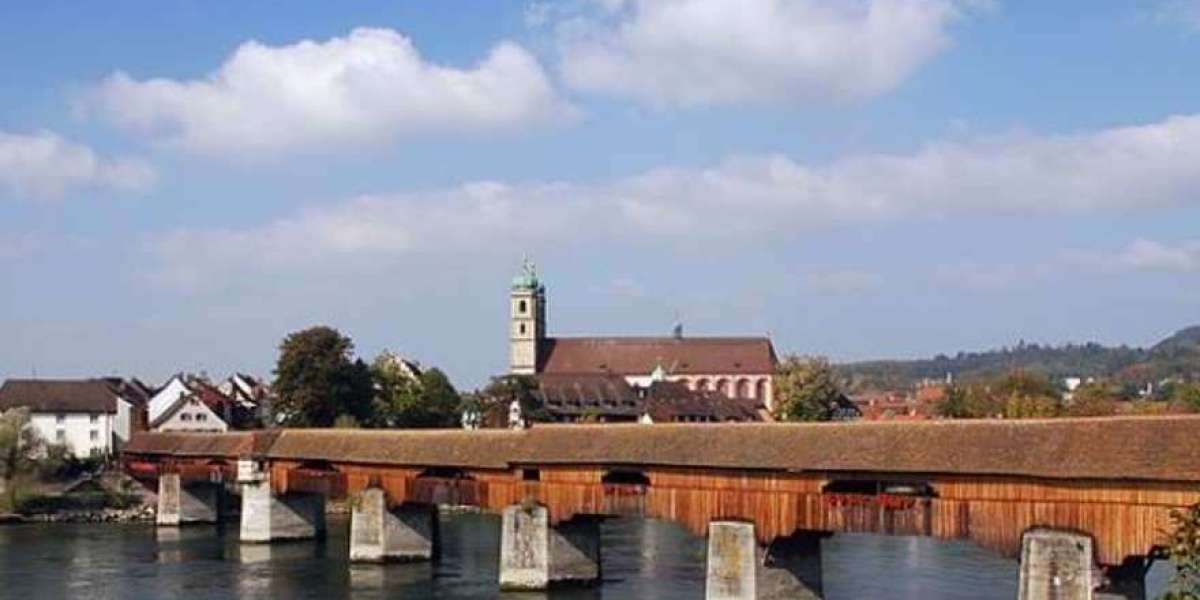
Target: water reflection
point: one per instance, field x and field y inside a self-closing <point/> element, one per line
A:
<point x="649" y="559"/>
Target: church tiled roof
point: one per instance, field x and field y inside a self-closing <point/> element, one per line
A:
<point x="640" y="355"/>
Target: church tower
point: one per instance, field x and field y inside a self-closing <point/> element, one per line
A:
<point x="527" y="321"/>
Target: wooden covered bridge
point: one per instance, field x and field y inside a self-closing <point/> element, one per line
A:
<point x="1085" y="503"/>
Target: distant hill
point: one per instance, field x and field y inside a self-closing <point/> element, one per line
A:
<point x="1175" y="356"/>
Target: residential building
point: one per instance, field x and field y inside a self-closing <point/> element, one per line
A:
<point x="192" y="413"/>
<point x="88" y="416"/>
<point x="190" y="403"/>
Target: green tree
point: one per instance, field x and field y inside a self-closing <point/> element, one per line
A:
<point x="806" y="389"/>
<point x="317" y="379"/>
<point x="402" y="400"/>
<point x="1187" y="395"/>
<point x="1093" y="399"/>
<point x="1019" y="406"/>
<point x="20" y="445"/>
<point x="956" y="404"/>
<point x="1021" y="382"/>
<point x="1183" y="548"/>
<point x="492" y="401"/>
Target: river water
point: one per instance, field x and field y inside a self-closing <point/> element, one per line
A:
<point x="642" y="559"/>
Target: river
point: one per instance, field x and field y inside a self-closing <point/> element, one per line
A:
<point x="642" y="559"/>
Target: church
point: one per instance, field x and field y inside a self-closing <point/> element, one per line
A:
<point x="736" y="368"/>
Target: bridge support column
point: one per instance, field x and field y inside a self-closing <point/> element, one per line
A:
<point x="379" y="533"/>
<point x="738" y="569"/>
<point x="534" y="555"/>
<point x="181" y="503"/>
<point x="790" y="567"/>
<point x="1056" y="564"/>
<point x="267" y="517"/>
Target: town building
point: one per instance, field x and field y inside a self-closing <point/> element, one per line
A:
<point x="88" y="416"/>
<point x="737" y="368"/>
<point x="613" y="399"/>
<point x="190" y="403"/>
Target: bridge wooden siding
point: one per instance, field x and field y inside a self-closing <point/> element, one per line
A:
<point x="1127" y="511"/>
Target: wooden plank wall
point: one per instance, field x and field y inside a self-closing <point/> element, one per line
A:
<point x="1125" y="518"/>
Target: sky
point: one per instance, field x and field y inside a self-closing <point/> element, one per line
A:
<point x="183" y="183"/>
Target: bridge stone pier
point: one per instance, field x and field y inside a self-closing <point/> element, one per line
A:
<point x="183" y="502"/>
<point x="268" y="516"/>
<point x="1061" y="564"/>
<point x="382" y="533"/>
<point x="535" y="555"/>
<point x="739" y="568"/>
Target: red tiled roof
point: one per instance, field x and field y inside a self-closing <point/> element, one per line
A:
<point x="59" y="396"/>
<point x="640" y="355"/>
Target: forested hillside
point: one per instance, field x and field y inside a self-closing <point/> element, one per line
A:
<point x="1175" y="356"/>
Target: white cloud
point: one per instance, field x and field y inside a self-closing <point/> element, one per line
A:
<point x="1115" y="170"/>
<point x="369" y="87"/>
<point x="712" y="52"/>
<point x="1145" y="255"/>
<point x="45" y="165"/>
<point x="1182" y="12"/>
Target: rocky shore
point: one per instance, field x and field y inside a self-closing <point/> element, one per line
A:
<point x="137" y="514"/>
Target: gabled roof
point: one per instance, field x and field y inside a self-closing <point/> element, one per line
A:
<point x="182" y="401"/>
<point x="677" y="355"/>
<point x="59" y="395"/>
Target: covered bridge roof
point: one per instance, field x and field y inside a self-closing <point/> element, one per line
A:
<point x="1132" y="448"/>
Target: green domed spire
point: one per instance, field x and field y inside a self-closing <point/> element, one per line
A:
<point x="527" y="278"/>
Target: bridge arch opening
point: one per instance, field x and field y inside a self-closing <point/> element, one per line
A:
<point x="875" y="487"/>
<point x="445" y="473"/>
<point x="624" y="476"/>
<point x="318" y="465"/>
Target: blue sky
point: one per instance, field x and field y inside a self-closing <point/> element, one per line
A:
<point x="183" y="183"/>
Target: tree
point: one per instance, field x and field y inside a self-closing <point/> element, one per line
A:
<point x="1187" y="395"/>
<point x="1183" y="547"/>
<point x="20" y="446"/>
<point x="806" y="389"/>
<point x="405" y="400"/>
<point x="1093" y="399"/>
<point x="1019" y="406"/>
<point x="492" y="402"/>
<point x="1021" y="382"/>
<point x="954" y="405"/>
<point x="318" y="380"/>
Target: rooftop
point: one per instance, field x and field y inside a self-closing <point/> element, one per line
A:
<point x="1116" y="448"/>
<point x="676" y="355"/>
<point x="59" y="395"/>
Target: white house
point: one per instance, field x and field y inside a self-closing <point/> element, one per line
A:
<point x="170" y="393"/>
<point x="189" y="413"/>
<point x="86" y="415"/>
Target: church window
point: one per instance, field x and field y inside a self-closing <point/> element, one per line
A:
<point x="522" y="329"/>
<point x="743" y="388"/>
<point x="521" y="307"/>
